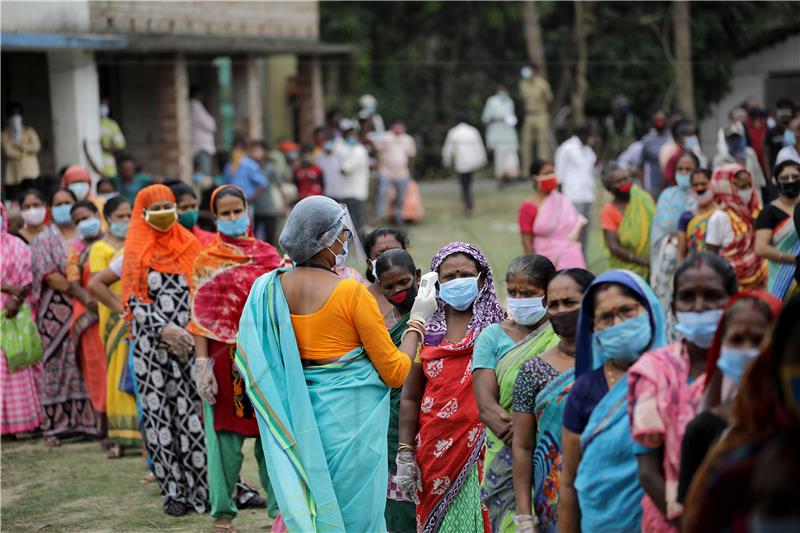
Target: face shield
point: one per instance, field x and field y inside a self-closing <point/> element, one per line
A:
<point x="356" y="256"/>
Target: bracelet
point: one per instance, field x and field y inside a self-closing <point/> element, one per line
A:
<point x="405" y="446"/>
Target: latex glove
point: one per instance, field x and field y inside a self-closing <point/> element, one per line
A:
<point x="425" y="303"/>
<point x="204" y="379"/>
<point x="525" y="523"/>
<point x="178" y="340"/>
<point x="408" y="477"/>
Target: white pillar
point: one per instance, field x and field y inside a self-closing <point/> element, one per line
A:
<point x="74" y="101"/>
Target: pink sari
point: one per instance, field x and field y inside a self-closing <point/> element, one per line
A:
<point x="661" y="402"/>
<point x="556" y="230"/>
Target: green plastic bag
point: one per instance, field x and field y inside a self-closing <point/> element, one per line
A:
<point x="20" y="339"/>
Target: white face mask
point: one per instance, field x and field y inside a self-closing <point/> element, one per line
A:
<point x="34" y="216"/>
<point x="341" y="258"/>
<point x="79" y="189"/>
<point x="103" y="110"/>
<point x="746" y="195"/>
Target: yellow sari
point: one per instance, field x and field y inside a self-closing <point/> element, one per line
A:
<point x="123" y="426"/>
<point x="634" y="231"/>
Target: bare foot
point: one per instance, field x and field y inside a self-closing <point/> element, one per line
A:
<point x="115" y="451"/>
<point x="52" y="442"/>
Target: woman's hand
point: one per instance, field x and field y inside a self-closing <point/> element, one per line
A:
<point x="178" y="340"/>
<point x="499" y="421"/>
<point x="425" y="303"/>
<point x="408" y="477"/>
<point x="12" y="307"/>
<point x="204" y="379"/>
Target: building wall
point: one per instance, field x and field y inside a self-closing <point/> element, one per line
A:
<point x="45" y="17"/>
<point x="263" y="19"/>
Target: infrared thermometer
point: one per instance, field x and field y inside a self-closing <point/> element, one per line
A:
<point x="428" y="284"/>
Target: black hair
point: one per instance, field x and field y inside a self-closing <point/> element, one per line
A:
<point x="180" y="189"/>
<point x="783" y="103"/>
<point x="715" y="263"/>
<point x="395" y="258"/>
<point x="106" y="181"/>
<point x="195" y="91"/>
<point x="31" y="192"/>
<point x="14" y="106"/>
<point x="125" y="157"/>
<point x="83" y="203"/>
<point x="228" y="191"/>
<point x="112" y="204"/>
<point x="704" y="171"/>
<point x="372" y="239"/>
<point x="582" y="277"/>
<point x="239" y="142"/>
<point x="53" y="195"/>
<point x="258" y="143"/>
<point x="583" y="128"/>
<point x="681" y="128"/>
<point x="760" y="305"/>
<point x="538" y="165"/>
<point x="624" y="289"/>
<point x="692" y="156"/>
<point x="780" y="166"/>
<point x="786" y="328"/>
<point x="535" y="267"/>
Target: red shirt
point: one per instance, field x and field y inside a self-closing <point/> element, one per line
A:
<point x="757" y="136"/>
<point x="308" y="181"/>
<point x="527" y="216"/>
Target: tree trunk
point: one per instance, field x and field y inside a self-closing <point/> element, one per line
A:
<point x="683" y="58"/>
<point x="581" y="34"/>
<point x="533" y="35"/>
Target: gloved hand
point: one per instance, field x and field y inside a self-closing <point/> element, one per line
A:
<point x="178" y="340"/>
<point x="525" y="523"/>
<point x="204" y="379"/>
<point x="408" y="477"/>
<point x="425" y="302"/>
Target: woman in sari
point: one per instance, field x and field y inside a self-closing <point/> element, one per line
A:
<point x="33" y="210"/>
<point x="734" y="238"/>
<point x="398" y="278"/>
<point x="77" y="180"/>
<point x="441" y="435"/>
<point x="776" y="235"/>
<point x="672" y="203"/>
<point x="186" y="200"/>
<point x="156" y="269"/>
<point x="620" y="319"/>
<point x="626" y="222"/>
<point x="21" y="412"/>
<point x="540" y="395"/>
<point x="85" y="321"/>
<point x="549" y="223"/>
<point x="222" y="276"/>
<point x="318" y="364"/>
<point x="665" y="386"/>
<point x="375" y="244"/>
<point x="694" y="224"/>
<point x="123" y="427"/>
<point x="500" y="351"/>
<point x="67" y="409"/>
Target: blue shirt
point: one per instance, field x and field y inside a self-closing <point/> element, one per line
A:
<point x="586" y="393"/>
<point x="249" y="177"/>
<point x="492" y="344"/>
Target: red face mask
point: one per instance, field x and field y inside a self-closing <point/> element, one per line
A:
<point x="625" y="187"/>
<point x="404" y="299"/>
<point x="659" y="123"/>
<point x="548" y="183"/>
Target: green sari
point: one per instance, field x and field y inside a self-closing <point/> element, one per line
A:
<point x="497" y="491"/>
<point x="634" y="232"/>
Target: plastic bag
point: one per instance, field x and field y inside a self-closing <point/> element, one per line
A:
<point x="20" y="339"/>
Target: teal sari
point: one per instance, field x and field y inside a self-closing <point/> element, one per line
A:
<point x="323" y="428"/>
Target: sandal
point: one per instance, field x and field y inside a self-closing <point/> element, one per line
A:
<point x="115" y="451"/>
<point x="224" y="527"/>
<point x="52" y="442"/>
<point x="148" y="478"/>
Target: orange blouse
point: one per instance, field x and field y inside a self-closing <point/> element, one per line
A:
<point x="349" y="319"/>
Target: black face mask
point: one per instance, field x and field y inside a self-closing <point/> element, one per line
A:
<point x="565" y="324"/>
<point x="789" y="190"/>
<point x="404" y="298"/>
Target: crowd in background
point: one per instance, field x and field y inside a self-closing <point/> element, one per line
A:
<point x="181" y="318"/>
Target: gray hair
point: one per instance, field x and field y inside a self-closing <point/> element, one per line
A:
<point x="608" y="173"/>
<point x="313" y="225"/>
<point x="535" y="267"/>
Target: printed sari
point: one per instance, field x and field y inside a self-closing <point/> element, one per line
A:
<point x="497" y="490"/>
<point x="556" y="230"/>
<point x="782" y="284"/>
<point x="307" y="414"/>
<point x="549" y="413"/>
<point x="696" y="231"/>
<point x="634" y="231"/>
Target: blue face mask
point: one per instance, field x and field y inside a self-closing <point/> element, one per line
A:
<point x="698" y="328"/>
<point x="683" y="180"/>
<point x="234" y="228"/>
<point x="119" y="229"/>
<point x="460" y="292"/>
<point x="89" y="227"/>
<point x="352" y="141"/>
<point x="733" y="361"/>
<point x="789" y="138"/>
<point x="328" y="146"/>
<point x="627" y="340"/>
<point x="61" y="214"/>
<point x="526" y="311"/>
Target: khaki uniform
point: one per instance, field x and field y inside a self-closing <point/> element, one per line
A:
<point x="536" y="95"/>
<point x="20" y="156"/>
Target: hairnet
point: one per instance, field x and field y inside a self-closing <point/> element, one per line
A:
<point x="313" y="225"/>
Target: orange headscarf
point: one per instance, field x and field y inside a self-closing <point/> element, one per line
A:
<point x="171" y="252"/>
<point x="75" y="173"/>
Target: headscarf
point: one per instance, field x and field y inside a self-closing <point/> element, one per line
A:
<point x="723" y="184"/>
<point x="486" y="309"/>
<point x="713" y="354"/>
<point x="221" y="279"/>
<point x="170" y="252"/>
<point x="313" y="225"/>
<point x="73" y="174"/>
<point x="586" y="359"/>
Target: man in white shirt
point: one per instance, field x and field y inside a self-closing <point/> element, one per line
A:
<point x="355" y="175"/>
<point x="204" y="127"/>
<point x="574" y="164"/>
<point x="464" y="151"/>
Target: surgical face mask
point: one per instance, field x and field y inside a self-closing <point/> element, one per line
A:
<point x="188" y="219"/>
<point x="565" y="324"/>
<point x="328" y="146"/>
<point x="16" y="122"/>
<point x="352" y="141"/>
<point x="627" y="340"/>
<point x="526" y="311"/>
<point x="684" y="180"/>
<point x="61" y="214"/>
<point x="745" y="195"/>
<point x="789" y="138"/>
<point x="789" y="190"/>
<point x="692" y="142"/>
<point x="526" y="73"/>
<point x="119" y="229"/>
<point x="341" y="258"/>
<point x="80" y="189"/>
<point x="89" y="227"/>
<point x="733" y="361"/>
<point x="404" y="299"/>
<point x="698" y="328"/>
<point x="103" y="110"/>
<point x="161" y="220"/>
<point x="460" y="292"/>
<point x="234" y="228"/>
<point x="106" y="196"/>
<point x="34" y="216"/>
<point x="374" y="269"/>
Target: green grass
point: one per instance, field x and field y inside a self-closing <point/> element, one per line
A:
<point x="75" y="488"/>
